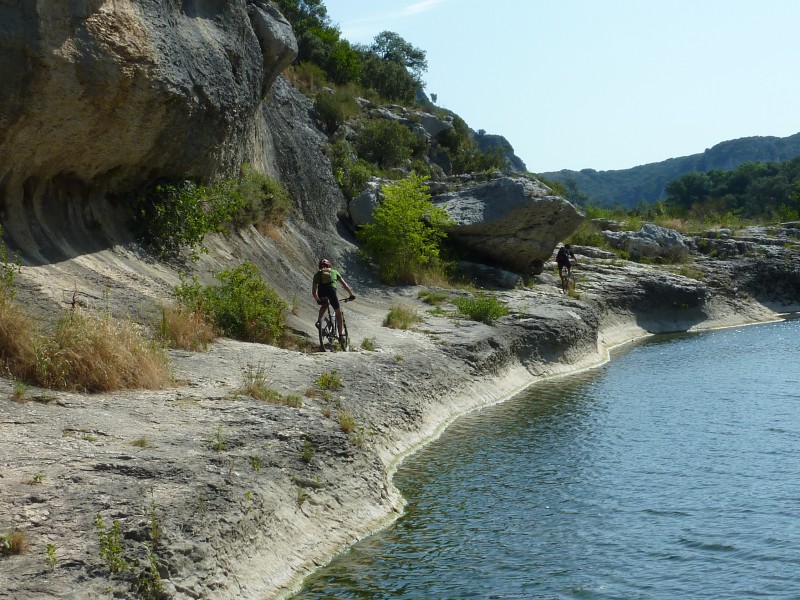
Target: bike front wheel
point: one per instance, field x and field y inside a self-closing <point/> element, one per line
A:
<point x="326" y="334"/>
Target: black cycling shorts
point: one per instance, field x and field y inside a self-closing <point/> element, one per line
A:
<point x="329" y="292"/>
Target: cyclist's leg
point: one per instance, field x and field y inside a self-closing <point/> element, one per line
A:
<point x="337" y="309"/>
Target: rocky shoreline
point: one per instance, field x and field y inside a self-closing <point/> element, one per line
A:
<point x="248" y="497"/>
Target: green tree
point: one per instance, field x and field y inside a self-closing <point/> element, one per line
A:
<point x="389" y="79"/>
<point x="304" y="14"/>
<point x="690" y="189"/>
<point x="386" y="143"/>
<point x="391" y="47"/>
<point x="407" y="231"/>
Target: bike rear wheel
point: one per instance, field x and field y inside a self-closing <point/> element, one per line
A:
<point x="327" y="335"/>
<point x="567" y="282"/>
<point x="570" y="283"/>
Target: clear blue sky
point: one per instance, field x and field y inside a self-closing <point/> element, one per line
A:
<point x="601" y="84"/>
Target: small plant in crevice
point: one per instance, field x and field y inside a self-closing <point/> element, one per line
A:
<point x="482" y="308"/>
<point x="218" y="441"/>
<point x="20" y="391"/>
<point x="110" y="540"/>
<point x="347" y="422"/>
<point x="330" y="381"/>
<point x="308" y="452"/>
<point x="255" y="463"/>
<point x="15" y="542"/>
<point x="256" y="383"/>
<point x="368" y="344"/>
<point x="141" y="442"/>
<point x="434" y="298"/>
<point x="249" y="501"/>
<point x="149" y="584"/>
<point x="155" y="528"/>
<point x="52" y="559"/>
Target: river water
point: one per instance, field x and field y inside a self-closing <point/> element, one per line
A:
<point x="671" y="472"/>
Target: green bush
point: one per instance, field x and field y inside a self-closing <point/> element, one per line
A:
<point x="263" y="200"/>
<point x="483" y="308"/>
<point x="386" y="143"/>
<point x="169" y="217"/>
<point x="587" y="234"/>
<point x="10" y="266"/>
<point x="243" y="306"/>
<point x="308" y="76"/>
<point x="407" y="231"/>
<point x="350" y="173"/>
<point x="401" y="317"/>
<point x="465" y="156"/>
<point x="334" y="109"/>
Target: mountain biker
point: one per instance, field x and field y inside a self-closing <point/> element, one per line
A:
<point x="323" y="288"/>
<point x="563" y="259"/>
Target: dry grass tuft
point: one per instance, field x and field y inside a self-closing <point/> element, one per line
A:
<point x="186" y="329"/>
<point x="86" y="353"/>
<point x="99" y="354"/>
<point x="13" y="543"/>
<point x="402" y="317"/>
<point x="17" y="341"/>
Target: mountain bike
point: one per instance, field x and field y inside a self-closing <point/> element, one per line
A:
<point x="567" y="281"/>
<point x="328" y="333"/>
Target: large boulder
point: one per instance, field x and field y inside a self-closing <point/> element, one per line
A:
<point x="651" y="241"/>
<point x="514" y="222"/>
<point x="99" y="96"/>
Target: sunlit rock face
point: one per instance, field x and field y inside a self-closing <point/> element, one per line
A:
<point x="98" y="95"/>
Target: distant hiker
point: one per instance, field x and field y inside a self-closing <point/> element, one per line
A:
<point x="562" y="259"/>
<point x="323" y="288"/>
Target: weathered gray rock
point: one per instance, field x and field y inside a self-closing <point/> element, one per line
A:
<point x="98" y="97"/>
<point x="488" y="142"/>
<point x="651" y="241"/>
<point x="361" y="207"/>
<point x="276" y="37"/>
<point x="608" y="224"/>
<point x="512" y="221"/>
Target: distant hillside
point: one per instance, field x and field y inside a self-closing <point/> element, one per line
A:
<point x="647" y="182"/>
